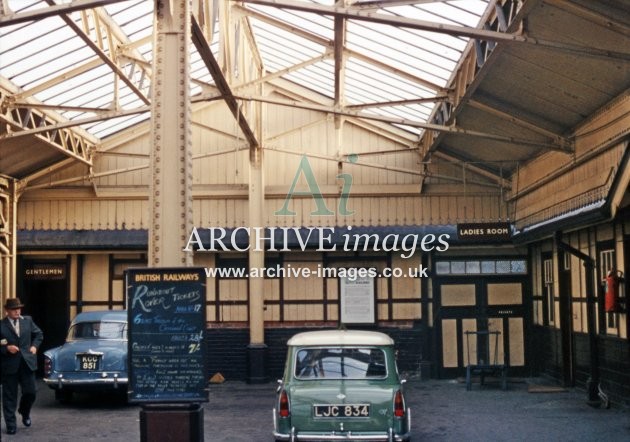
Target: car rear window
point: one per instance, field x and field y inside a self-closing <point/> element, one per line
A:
<point x="98" y="330"/>
<point x="340" y="363"/>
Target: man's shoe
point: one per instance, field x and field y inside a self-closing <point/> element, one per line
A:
<point x="26" y="420"/>
<point x="11" y="430"/>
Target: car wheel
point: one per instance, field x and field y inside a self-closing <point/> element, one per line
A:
<point x="63" y="396"/>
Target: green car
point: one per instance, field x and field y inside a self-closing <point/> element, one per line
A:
<point x="341" y="385"/>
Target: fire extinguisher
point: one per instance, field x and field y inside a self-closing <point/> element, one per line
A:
<point x="611" y="299"/>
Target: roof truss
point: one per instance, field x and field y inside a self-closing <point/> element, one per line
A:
<point x="17" y="120"/>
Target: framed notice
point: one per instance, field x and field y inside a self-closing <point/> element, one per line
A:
<point x="357" y="302"/>
<point x="167" y="360"/>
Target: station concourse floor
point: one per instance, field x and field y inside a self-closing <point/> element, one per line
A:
<point x="442" y="410"/>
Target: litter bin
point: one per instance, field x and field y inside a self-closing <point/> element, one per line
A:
<point x="171" y="423"/>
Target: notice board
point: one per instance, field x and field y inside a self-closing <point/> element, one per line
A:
<point x="357" y="304"/>
<point x="167" y="323"/>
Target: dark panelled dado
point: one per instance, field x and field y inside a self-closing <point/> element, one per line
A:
<point x="614" y="361"/>
<point x="227" y="352"/>
<point x="227" y="349"/>
<point x="545" y="360"/>
<point x="615" y="369"/>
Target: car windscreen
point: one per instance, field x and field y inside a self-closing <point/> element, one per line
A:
<point x="340" y="363"/>
<point x="98" y="330"/>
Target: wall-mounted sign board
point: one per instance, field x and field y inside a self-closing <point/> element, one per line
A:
<point x="484" y="232"/>
<point x="358" y="303"/>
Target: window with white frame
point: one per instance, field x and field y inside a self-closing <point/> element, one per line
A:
<point x="517" y="266"/>
<point x="606" y="263"/>
<point x="548" y="288"/>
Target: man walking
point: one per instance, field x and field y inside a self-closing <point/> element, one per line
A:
<point x="20" y="338"/>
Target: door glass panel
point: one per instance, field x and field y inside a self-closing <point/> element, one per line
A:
<point x="517" y="343"/>
<point x="495" y="342"/>
<point x="449" y="342"/>
<point x="458" y="294"/>
<point x="470" y="341"/>
<point x="501" y="294"/>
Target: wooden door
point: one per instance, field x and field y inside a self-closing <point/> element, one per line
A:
<point x="475" y="304"/>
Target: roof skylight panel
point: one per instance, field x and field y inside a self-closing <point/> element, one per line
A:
<point x="78" y="83"/>
<point x="431" y="43"/>
<point x="475" y="8"/>
<point x="199" y="71"/>
<point x="317" y="24"/>
<point x="274" y="65"/>
<point x="125" y="12"/>
<point x="14" y="51"/>
<point x="284" y="58"/>
<point x="269" y="55"/>
<point x="55" y="59"/>
<point x="135" y="23"/>
<point x="106" y="126"/>
<point x="355" y="95"/>
<point x="441" y="12"/>
<point x="407" y="63"/>
<point x="195" y="89"/>
<point x="30" y="36"/>
<point x="291" y="54"/>
<point x="323" y="84"/>
<point x="414" y="112"/>
<point x="398" y="74"/>
<point x="398" y="112"/>
<point x="55" y="76"/>
<point x="138" y="29"/>
<point x="25" y="5"/>
<point x="453" y="12"/>
<point x="409" y="60"/>
<point x="378" y="87"/>
<point x="114" y="125"/>
<point x="86" y="95"/>
<point x="404" y="85"/>
<point x="127" y="99"/>
<point x="436" y="42"/>
<point x="279" y="36"/>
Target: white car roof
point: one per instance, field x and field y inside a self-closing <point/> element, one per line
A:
<point x="340" y="337"/>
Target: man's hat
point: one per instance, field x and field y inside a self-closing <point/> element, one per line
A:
<point x="13" y="303"/>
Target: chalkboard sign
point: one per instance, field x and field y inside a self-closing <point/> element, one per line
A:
<point x="167" y="322"/>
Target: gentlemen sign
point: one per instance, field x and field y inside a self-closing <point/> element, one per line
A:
<point x="41" y="271"/>
<point x="167" y="322"/>
<point x="483" y="232"/>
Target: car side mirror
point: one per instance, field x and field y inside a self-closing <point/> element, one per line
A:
<point x="279" y="385"/>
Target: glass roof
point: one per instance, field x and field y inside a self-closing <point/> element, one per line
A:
<point x="390" y="71"/>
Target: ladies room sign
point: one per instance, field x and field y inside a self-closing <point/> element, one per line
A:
<point x="166" y="309"/>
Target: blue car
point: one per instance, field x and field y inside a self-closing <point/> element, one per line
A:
<point x="93" y="358"/>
